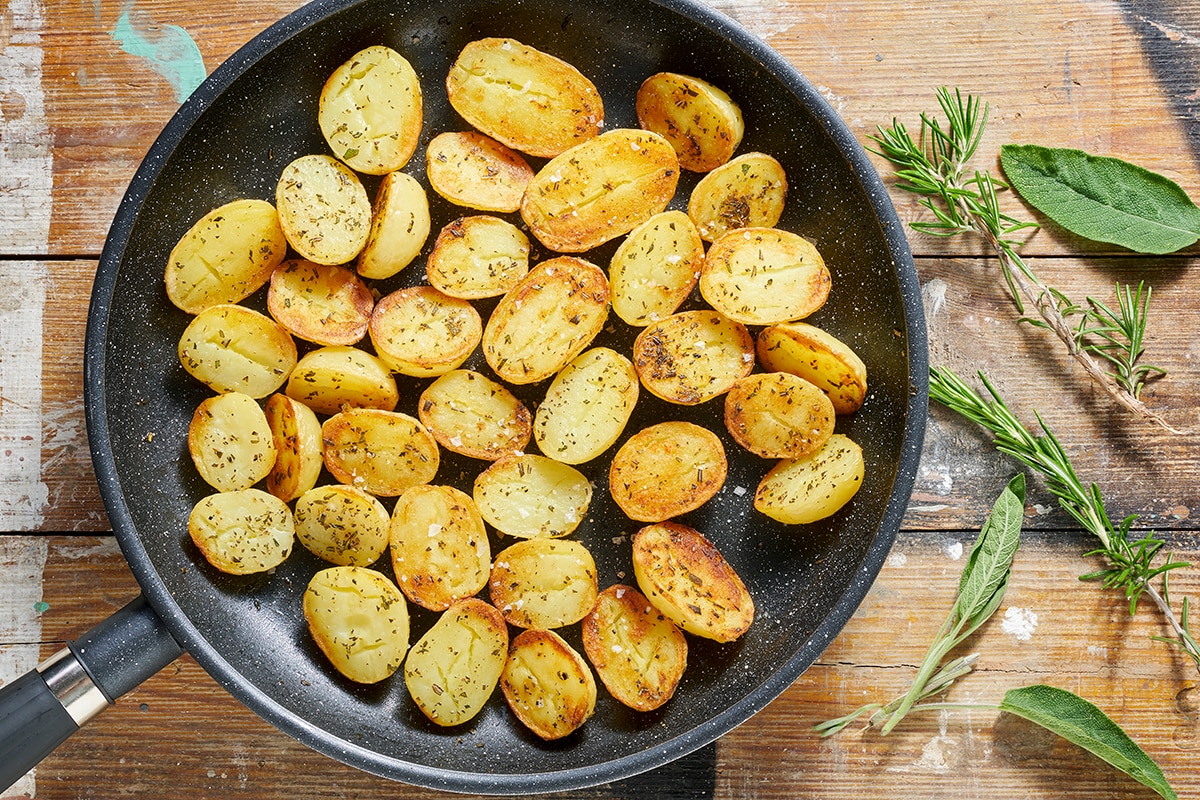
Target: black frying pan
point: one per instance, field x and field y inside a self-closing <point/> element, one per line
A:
<point x="256" y="113"/>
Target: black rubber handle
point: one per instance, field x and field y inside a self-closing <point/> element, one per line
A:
<point x="116" y="655"/>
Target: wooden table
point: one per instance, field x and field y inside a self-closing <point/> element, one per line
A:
<point x="82" y="94"/>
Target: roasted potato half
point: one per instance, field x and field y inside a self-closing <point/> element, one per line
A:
<point x="544" y="583"/>
<point x="400" y="226"/>
<point x="690" y="582"/>
<point x="225" y="256"/>
<point x="532" y="496"/>
<point x="230" y="442"/>
<point x="600" y="189"/>
<point x="655" y="268"/>
<point x="478" y="256"/>
<point x="778" y="415"/>
<point x="476" y="171"/>
<point x="748" y="191"/>
<point x="323" y="209"/>
<point x="547" y="685"/>
<point x="421" y="332"/>
<point x="666" y="470"/>
<point x="331" y="378"/>
<point x="381" y="452"/>
<point x="763" y="276"/>
<point x="587" y="406"/>
<point x="359" y="620"/>
<point x="231" y="348"/>
<point x="454" y="668"/>
<point x="242" y="532"/>
<point x="370" y="111"/>
<point x="700" y="121"/>
<point x="797" y="491"/>
<point x="471" y="414"/>
<point x="342" y="525"/>
<point x="817" y="356"/>
<point x="439" y="545"/>
<point x="297" y="435"/>
<point x="524" y="98"/>
<point x="639" y="654"/>
<point x="692" y="356"/>
<point x="320" y="303"/>
<point x="546" y="320"/>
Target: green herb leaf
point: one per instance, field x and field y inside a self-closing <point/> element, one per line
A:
<point x="1083" y="724"/>
<point x="1103" y="199"/>
<point x="985" y="576"/>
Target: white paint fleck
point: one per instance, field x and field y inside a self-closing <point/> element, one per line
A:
<point x="1019" y="623"/>
<point x="1099" y="651"/>
<point x="953" y="550"/>
<point x="933" y="294"/>
<point x="897" y="560"/>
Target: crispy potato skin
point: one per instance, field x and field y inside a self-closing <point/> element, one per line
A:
<point x="818" y="357"/>
<point x="476" y="171"/>
<point x="478" y="256"/>
<point x="297" y="435"/>
<point x="471" y="414"/>
<point x="380" y="452"/>
<point x="242" y="532"/>
<point x="763" y="276"/>
<point x="692" y="356"/>
<point x="543" y="583"/>
<point x="700" y="121"/>
<point x="320" y="303"/>
<point x="422" y="332"/>
<point x="748" y="191"/>
<point x="400" y="225"/>
<point x="666" y="470"/>
<point x="778" y="415"/>
<point x="797" y="491"/>
<point x="439" y="546"/>
<point x="547" y="685"/>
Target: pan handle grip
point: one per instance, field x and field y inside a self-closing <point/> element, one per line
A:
<point x="39" y="710"/>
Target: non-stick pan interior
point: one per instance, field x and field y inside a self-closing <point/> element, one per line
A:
<point x="231" y="139"/>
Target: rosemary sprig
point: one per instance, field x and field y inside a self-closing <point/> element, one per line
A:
<point x="1129" y="563"/>
<point x="936" y="166"/>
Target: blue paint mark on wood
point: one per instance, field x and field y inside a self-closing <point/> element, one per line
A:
<point x="170" y="51"/>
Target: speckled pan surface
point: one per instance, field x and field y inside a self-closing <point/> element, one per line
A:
<point x="256" y="113"/>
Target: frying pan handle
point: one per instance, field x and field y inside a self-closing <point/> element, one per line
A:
<point x="39" y="710"/>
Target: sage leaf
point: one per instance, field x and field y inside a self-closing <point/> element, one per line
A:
<point x="1083" y="724"/>
<point x="985" y="575"/>
<point x="1102" y="198"/>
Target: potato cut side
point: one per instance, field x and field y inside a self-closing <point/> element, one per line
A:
<point x="320" y="303"/>
<point x="778" y="415"/>
<point x="359" y="620"/>
<point x="421" y="332"/>
<point x="476" y="171"/>
<point x="439" y="546"/>
<point x="763" y="276"/>
<point x="454" y="668"/>
<point x="748" y="191"/>
<point x="638" y="653"/>
<point x="381" y="452"/>
<point x="666" y="470"/>
<point x="692" y="356"/>
<point x="231" y="348"/>
<point x="342" y="525"/>
<point x="225" y="256"/>
<point x="655" y="268"/>
<point x="532" y="496"/>
<point x="817" y="356"/>
<point x="587" y="406"/>
<point x="242" y="532"/>
<point x="546" y="320"/>
<point x="230" y="442"/>
<point x="478" y="256"/>
<point x="547" y="685"/>
<point x="323" y="209"/>
<point x="544" y="583"/>
<point x="472" y="414"/>
<point x="798" y="491"/>
<point x="330" y="379"/>
<point x="601" y="189"/>
<point x="370" y="111"/>
<point x="524" y="98"/>
<point x="400" y="226"/>
<point x="686" y="578"/>
<point x="297" y="435"/>
<point x="700" y="121"/>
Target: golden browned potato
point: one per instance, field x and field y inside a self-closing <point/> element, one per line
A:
<point x="400" y="225"/>
<point x="748" y="191"/>
<point x="600" y="189"/>
<point x="817" y="356"/>
<point x="231" y="348"/>
<point x="242" y="532"/>
<point x="762" y="276"/>
<point x="587" y="406"/>
<point x="700" y="121"/>
<point x="639" y="654"/>
<point x="476" y="257"/>
<point x="381" y="452"/>
<point x="439" y="545"/>
<point x="476" y="171"/>
<point x="546" y="320"/>
<point x="471" y="414"/>
<point x="320" y="303"/>
<point x="544" y="583"/>
<point x="655" y="268"/>
<point x="454" y="668"/>
<point x="225" y="256"/>
<point x="331" y="378"/>
<point x="778" y="415"/>
<point x="230" y="442"/>
<point x="297" y="435"/>
<point x="370" y="111"/>
<point x="359" y="620"/>
<point x="666" y="470"/>
<point x="532" y="496"/>
<point x="802" y="490"/>
<point x="342" y="525"/>
<point x="547" y="685"/>
<point x="323" y="209"/>
<point x="524" y="98"/>
<point x="692" y="356"/>
<point x="690" y="582"/>
<point x="421" y="332"/>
